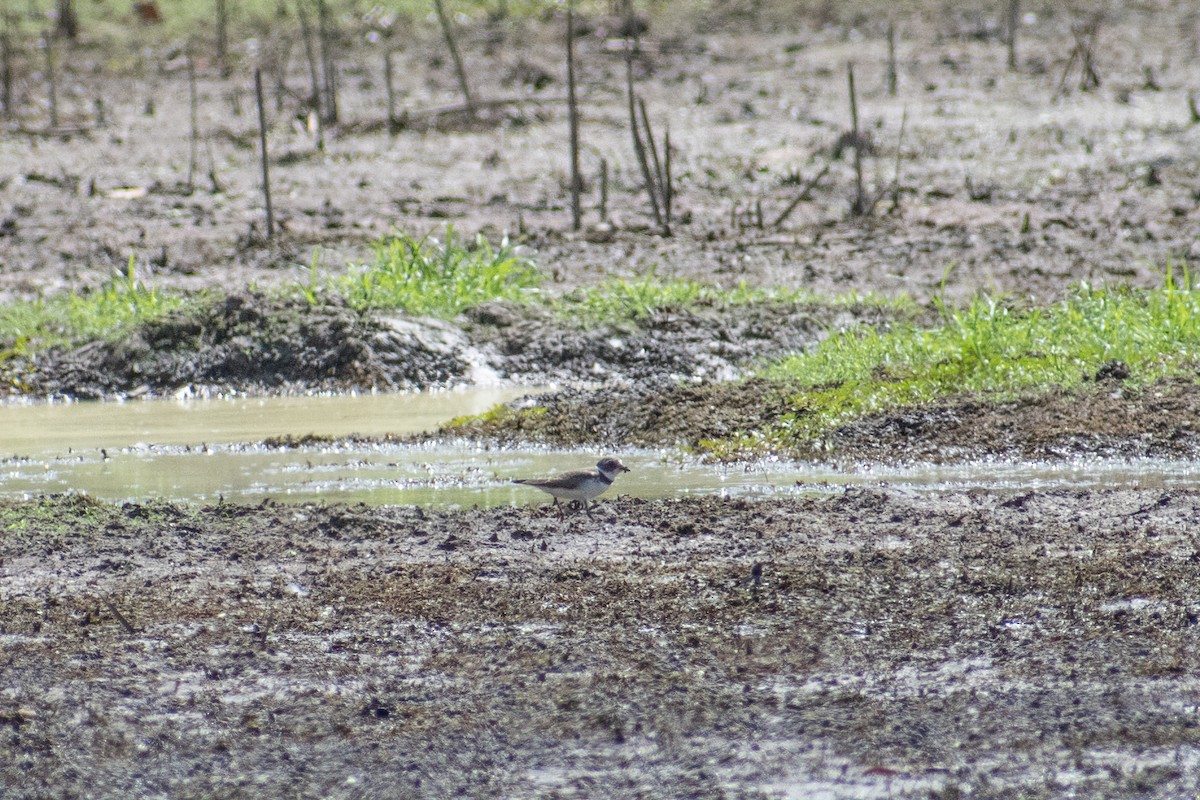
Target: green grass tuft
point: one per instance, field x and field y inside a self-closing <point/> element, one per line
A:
<point x="104" y="313"/>
<point x="425" y="276"/>
<point x="990" y="349"/>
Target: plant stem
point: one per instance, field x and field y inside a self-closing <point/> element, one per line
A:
<point x="805" y="193"/>
<point x="193" y="108"/>
<point x="604" y="190"/>
<point x="328" y="65"/>
<point x="67" y="25"/>
<point x="390" y="88"/>
<point x="668" y="190"/>
<point x="262" y="141"/>
<point x="222" y="38"/>
<point x="314" y="97"/>
<point x="573" y="121"/>
<point x="891" y="58"/>
<point x="6" y="79"/>
<point x="51" y="79"/>
<point x="638" y="147"/>
<point x="659" y="174"/>
<point x="1014" y="22"/>
<point x="459" y="69"/>
<point x="860" y="198"/>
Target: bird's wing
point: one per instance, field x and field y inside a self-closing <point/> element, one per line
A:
<point x="564" y="481"/>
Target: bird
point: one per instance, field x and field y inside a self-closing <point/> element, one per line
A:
<point x="579" y="484"/>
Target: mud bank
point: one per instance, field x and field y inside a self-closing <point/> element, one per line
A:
<point x="1105" y="419"/>
<point x="243" y="342"/>
<point x="248" y="342"/>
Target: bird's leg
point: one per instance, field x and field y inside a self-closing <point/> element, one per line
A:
<point x="558" y="508"/>
<point x="588" y="508"/>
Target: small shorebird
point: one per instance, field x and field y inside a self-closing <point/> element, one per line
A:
<point x="580" y="484"/>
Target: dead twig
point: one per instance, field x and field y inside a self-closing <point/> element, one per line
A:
<point x="659" y="174"/>
<point x="894" y="187"/>
<point x="328" y="65"/>
<point x="1083" y="53"/>
<point x="6" y="73"/>
<point x="459" y="69"/>
<point x="281" y="54"/>
<point x="573" y="121"/>
<point x="262" y="141"/>
<point x="390" y="88"/>
<point x="310" y="53"/>
<point x="193" y="119"/>
<point x="604" y="190"/>
<point x="859" y="206"/>
<point x="262" y="632"/>
<point x="121" y="618"/>
<point x="212" y="168"/>
<point x="67" y="24"/>
<point x="222" y="37"/>
<point x="51" y="79"/>
<point x="1014" y="24"/>
<point x="805" y="194"/>
<point x="668" y="185"/>
<point x="891" y="58"/>
<point x="638" y="147"/>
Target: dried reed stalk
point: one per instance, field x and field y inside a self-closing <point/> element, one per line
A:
<point x="262" y="141"/>
<point x="459" y="69"/>
<point x="573" y="122"/>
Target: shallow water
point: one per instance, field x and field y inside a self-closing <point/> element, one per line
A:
<point x="196" y="451"/>
<point x="61" y="427"/>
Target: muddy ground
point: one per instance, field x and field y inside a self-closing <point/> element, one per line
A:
<point x="1009" y="180"/>
<point x="872" y="644"/>
<point x="878" y="644"/>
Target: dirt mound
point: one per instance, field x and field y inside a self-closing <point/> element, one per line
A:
<point x="707" y="342"/>
<point x="247" y="342"/>
<point x="250" y="342"/>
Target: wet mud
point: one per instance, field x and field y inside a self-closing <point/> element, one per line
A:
<point x="705" y="343"/>
<point x="1103" y="419"/>
<point x="872" y="644"/>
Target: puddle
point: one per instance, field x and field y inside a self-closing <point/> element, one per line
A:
<point x="456" y="476"/>
<point x="195" y="451"/>
<point x="40" y="428"/>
